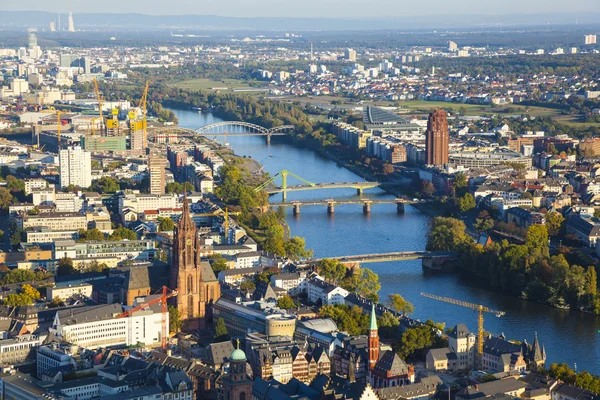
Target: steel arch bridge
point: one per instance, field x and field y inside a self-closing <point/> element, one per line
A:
<point x="254" y="129"/>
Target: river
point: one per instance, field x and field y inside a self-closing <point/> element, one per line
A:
<point x="568" y="336"/>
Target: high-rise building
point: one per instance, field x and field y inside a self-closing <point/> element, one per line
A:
<point x="32" y="40"/>
<point x="590" y="39"/>
<point x="69" y="60"/>
<point x="156" y="170"/>
<point x="437" y="139"/>
<point x="236" y="383"/>
<point x="75" y="167"/>
<point x="52" y="26"/>
<point x="452" y="46"/>
<point x="71" y="23"/>
<point x="350" y="54"/>
<point x="197" y="286"/>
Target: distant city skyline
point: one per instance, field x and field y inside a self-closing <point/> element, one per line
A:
<point x="311" y="8"/>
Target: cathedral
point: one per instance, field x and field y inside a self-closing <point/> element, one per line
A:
<point x="193" y="278"/>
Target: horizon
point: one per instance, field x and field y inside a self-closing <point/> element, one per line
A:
<point x="314" y="9"/>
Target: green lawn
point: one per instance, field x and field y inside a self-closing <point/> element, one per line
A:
<point x="209" y="84"/>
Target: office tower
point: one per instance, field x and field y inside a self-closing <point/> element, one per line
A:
<point x="67" y="60"/>
<point x="590" y="39"/>
<point x="350" y="55"/>
<point x="452" y="46"/>
<point x="52" y="26"/>
<point x="437" y="139"/>
<point x="84" y="62"/>
<point x="71" y="23"/>
<point x="156" y="170"/>
<point x="32" y="41"/>
<point x="75" y="166"/>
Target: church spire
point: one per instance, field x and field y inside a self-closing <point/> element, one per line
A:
<point x="185" y="222"/>
<point x="373" y="319"/>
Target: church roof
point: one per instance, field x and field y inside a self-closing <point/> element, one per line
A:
<point x="391" y="364"/>
<point x="185" y="222"/>
<point x="373" y="319"/>
<point x="206" y="272"/>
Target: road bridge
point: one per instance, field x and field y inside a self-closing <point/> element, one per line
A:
<point x="270" y="187"/>
<point x="232" y="128"/>
<point x="332" y="203"/>
<point x="392" y="256"/>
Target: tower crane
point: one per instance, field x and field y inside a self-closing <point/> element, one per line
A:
<point x="477" y="307"/>
<point x="163" y="300"/>
<point x="58" y="123"/>
<point x="97" y="91"/>
<point x="143" y="102"/>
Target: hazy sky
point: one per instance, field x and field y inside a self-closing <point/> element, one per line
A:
<point x="308" y="8"/>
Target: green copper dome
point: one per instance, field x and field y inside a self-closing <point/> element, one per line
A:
<point x="237" y="354"/>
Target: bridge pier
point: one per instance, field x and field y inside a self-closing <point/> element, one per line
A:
<point x="269" y="138"/>
<point x="400" y="208"/>
<point x="366" y="208"/>
<point x="296" y="209"/>
<point x="330" y="208"/>
<point x="359" y="191"/>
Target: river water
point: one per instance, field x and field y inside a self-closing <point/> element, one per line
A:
<point x="568" y="336"/>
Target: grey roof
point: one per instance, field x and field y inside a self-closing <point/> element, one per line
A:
<point x="75" y="316"/>
<point x="498" y="346"/>
<point x="459" y="331"/>
<point x="218" y="353"/>
<point x="391" y="364"/>
<point x="443" y="354"/>
<point x="574" y="392"/>
<point x="138" y="278"/>
<point x="206" y="272"/>
<point x="427" y="386"/>
<point x="501" y="386"/>
<point x="324" y="325"/>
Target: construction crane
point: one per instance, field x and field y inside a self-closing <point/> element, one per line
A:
<point x="477" y="307"/>
<point x="58" y="122"/>
<point x="143" y="102"/>
<point x="163" y="300"/>
<point x="97" y="91"/>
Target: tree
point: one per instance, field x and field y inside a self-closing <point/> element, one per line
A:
<point x="365" y="283"/>
<point x="165" y="224"/>
<point x="247" y="285"/>
<point x="221" y="333"/>
<point x="175" y="322"/>
<point x="348" y="319"/>
<point x="105" y="184"/>
<point x="274" y="242"/>
<point x="400" y="305"/>
<point x="5" y="199"/>
<point x="332" y="270"/>
<point x="34" y="211"/>
<point x="286" y="302"/>
<point x="554" y="223"/>
<point x="122" y="233"/>
<point x="218" y="263"/>
<point x="466" y="203"/>
<point x="537" y="237"/>
<point x="426" y="188"/>
<point x="483" y="224"/>
<point x="295" y="249"/>
<point x="30" y="291"/>
<point x="1" y="235"/>
<point x="17" y="300"/>
<point x="56" y="302"/>
<point x="388" y="325"/>
<point x="446" y="234"/>
<point x="388" y="169"/>
<point x="65" y="267"/>
<point x="460" y="184"/>
<point x="91" y="234"/>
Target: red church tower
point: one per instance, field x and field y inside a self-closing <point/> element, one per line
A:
<point x="373" y="340"/>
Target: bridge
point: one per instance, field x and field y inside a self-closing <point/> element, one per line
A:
<point x="431" y="259"/>
<point x="332" y="203"/>
<point x="232" y="128"/>
<point x="270" y="188"/>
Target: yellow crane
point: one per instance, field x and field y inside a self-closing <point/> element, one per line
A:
<point x="99" y="97"/>
<point x="143" y="108"/>
<point x="477" y="307"/>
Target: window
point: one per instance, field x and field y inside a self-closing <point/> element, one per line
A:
<point x="190" y="284"/>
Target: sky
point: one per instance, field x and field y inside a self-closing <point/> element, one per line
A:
<point x="308" y="8"/>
